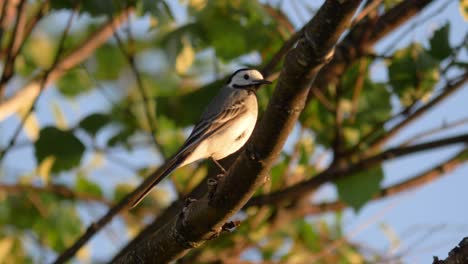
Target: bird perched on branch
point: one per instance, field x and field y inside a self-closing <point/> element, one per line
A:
<point x="224" y="127"/>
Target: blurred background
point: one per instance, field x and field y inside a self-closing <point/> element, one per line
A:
<point x="95" y="94"/>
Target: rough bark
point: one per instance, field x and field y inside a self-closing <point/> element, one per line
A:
<point x="203" y="219"/>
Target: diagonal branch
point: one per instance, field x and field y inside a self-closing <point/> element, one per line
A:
<point x="375" y="140"/>
<point x="203" y="219"/>
<point x="15" y="41"/>
<point x="59" y="190"/>
<point x="450" y="88"/>
<point x="405" y="14"/>
<point x="27" y="94"/>
<point x="42" y="84"/>
<point x="129" y="55"/>
<point x="435" y="130"/>
<point x="303" y="188"/>
<point x="414" y="182"/>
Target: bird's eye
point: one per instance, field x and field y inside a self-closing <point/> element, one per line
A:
<point x="246" y="76"/>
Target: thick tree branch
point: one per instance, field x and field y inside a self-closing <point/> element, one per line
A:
<point x="458" y="255"/>
<point x="203" y="219"/>
<point x="30" y="91"/>
<point x="285" y="215"/>
<point x="303" y="188"/>
<point x="360" y="40"/>
<point x="326" y="74"/>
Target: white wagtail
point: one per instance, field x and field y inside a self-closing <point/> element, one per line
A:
<point x="224" y="127"/>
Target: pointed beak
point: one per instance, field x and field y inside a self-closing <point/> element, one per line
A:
<point x="259" y="82"/>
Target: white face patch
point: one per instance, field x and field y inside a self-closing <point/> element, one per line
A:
<point x="246" y="77"/>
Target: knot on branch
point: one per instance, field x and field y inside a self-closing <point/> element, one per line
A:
<point x="213" y="184"/>
<point x="181" y="225"/>
<point x="252" y="153"/>
<point x="230" y="226"/>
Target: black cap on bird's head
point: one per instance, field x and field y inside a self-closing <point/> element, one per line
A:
<point x="246" y="79"/>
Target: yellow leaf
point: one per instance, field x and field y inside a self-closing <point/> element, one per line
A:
<point x="97" y="160"/>
<point x="44" y="168"/>
<point x="31" y="127"/>
<point x="83" y="254"/>
<point x="59" y="116"/>
<point x="197" y="4"/>
<point x="464" y="9"/>
<point x="185" y="58"/>
<point x="6" y="245"/>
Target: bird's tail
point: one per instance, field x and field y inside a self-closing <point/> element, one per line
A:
<point x="155" y="178"/>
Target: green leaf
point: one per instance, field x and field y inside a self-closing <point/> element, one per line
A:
<point x="307" y="235"/>
<point x="110" y="62"/>
<point x="86" y="186"/>
<point x="413" y="74"/>
<point x="63" y="146"/>
<point x="74" y="82"/>
<point x="120" y="137"/>
<point x="242" y="18"/>
<point x="439" y="43"/>
<point x="60" y="226"/>
<point x="158" y="9"/>
<point x="94" y="122"/>
<point x="355" y="190"/>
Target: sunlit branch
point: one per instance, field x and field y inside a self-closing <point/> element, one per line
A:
<point x="30" y="91"/>
<point x="59" y="190"/>
<point x="334" y="173"/>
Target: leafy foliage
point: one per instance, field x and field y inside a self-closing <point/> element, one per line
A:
<point x="359" y="188"/>
<point x="413" y="74"/>
<point x="93" y="123"/>
<point x="440" y="44"/>
<point x="183" y="51"/>
<point x="63" y="146"/>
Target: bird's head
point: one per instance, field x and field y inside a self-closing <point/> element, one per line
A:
<point x="246" y="79"/>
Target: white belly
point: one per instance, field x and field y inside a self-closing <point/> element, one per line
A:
<point x="234" y="136"/>
<point x="226" y="141"/>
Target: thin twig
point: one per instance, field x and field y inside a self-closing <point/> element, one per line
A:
<point x="358" y="88"/>
<point x="129" y="55"/>
<point x="334" y="173"/>
<point x="366" y="11"/>
<point x="14" y="43"/>
<point x="59" y="190"/>
<point x="450" y="88"/>
<point x="412" y="27"/>
<point x="75" y="57"/>
<point x="444" y="126"/>
<point x="43" y="83"/>
<point x="322" y="99"/>
<point x="426" y="177"/>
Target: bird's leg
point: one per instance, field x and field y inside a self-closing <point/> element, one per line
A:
<point x="219" y="166"/>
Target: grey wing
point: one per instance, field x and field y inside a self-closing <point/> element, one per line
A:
<point x="209" y="125"/>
